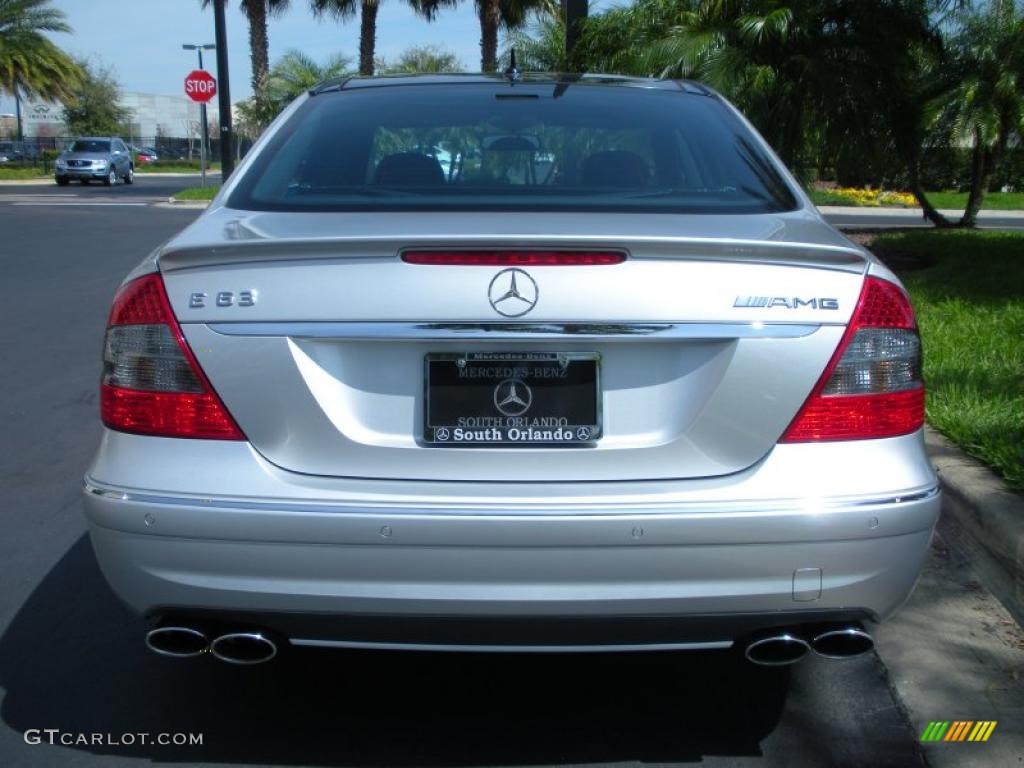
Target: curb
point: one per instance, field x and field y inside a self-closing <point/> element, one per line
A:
<point x="989" y="513"/>
<point x="896" y="211"/>
<point x="199" y="205"/>
<point x="161" y="175"/>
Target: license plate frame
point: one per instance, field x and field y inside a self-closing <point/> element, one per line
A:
<point x="488" y="424"/>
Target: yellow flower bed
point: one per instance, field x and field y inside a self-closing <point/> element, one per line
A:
<point x="875" y="196"/>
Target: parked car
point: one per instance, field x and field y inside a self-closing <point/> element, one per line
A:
<point x="17" y="151"/>
<point x="105" y="159"/>
<point x="604" y="379"/>
<point x="144" y="154"/>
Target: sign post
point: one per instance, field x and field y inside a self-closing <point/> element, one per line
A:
<point x="201" y="87"/>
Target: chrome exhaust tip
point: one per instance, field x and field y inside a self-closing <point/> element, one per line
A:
<point x="179" y="642"/>
<point x="244" y="648"/>
<point x="843" y="643"/>
<point x="777" y="650"/>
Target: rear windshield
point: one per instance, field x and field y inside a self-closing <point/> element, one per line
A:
<point x="529" y="147"/>
<point x="90" y="145"/>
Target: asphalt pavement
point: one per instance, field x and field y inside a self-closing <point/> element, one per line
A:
<point x="147" y="190"/>
<point x="72" y="658"/>
<point x="155" y="190"/>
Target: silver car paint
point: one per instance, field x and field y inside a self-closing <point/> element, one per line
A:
<point x="250" y="535"/>
<point x="687" y="506"/>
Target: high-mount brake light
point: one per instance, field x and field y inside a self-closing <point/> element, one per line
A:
<point x="152" y="383"/>
<point x="872" y="386"/>
<point x="506" y="258"/>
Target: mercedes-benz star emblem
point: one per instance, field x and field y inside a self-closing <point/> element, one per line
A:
<point x="512" y="293"/>
<point x="512" y="397"/>
<point x="441" y="433"/>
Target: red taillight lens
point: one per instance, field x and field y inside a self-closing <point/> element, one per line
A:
<point x="872" y="386"/>
<point x="478" y="258"/>
<point x="152" y="383"/>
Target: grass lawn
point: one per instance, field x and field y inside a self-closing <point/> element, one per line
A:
<point x="13" y="174"/>
<point x="994" y="201"/>
<point x="970" y="306"/>
<point x="198" y="193"/>
<point x="169" y="166"/>
<point x="824" y="197"/>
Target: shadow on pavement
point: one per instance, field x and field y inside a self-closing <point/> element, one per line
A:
<point x="73" y="658"/>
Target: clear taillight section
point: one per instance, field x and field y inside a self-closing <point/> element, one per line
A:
<point x="152" y="383"/>
<point x="877" y="360"/>
<point x="147" y="357"/>
<point x="872" y="387"/>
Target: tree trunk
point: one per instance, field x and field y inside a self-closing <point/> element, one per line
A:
<point x="490" y="16"/>
<point x="367" y="36"/>
<point x="932" y="215"/>
<point x="259" y="47"/>
<point x="17" y="108"/>
<point x="979" y="182"/>
<point x="984" y="162"/>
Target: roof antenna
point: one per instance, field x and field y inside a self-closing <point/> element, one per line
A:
<point x="512" y="73"/>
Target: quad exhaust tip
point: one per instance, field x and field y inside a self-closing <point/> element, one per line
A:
<point x="244" y="648"/>
<point x="178" y="642"/>
<point x="837" y="642"/>
<point x="777" y="650"/>
<point x="844" y="643"/>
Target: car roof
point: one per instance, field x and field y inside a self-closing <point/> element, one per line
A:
<point x="494" y="78"/>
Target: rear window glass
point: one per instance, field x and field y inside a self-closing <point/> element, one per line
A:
<point x="90" y="145"/>
<point x="540" y="147"/>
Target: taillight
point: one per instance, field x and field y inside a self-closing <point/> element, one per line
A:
<point x="872" y="386"/>
<point x="152" y="384"/>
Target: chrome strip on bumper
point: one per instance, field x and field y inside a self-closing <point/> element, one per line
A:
<point x="605" y="332"/>
<point x="754" y="508"/>
<point x="700" y="646"/>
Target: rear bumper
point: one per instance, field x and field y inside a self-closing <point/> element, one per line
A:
<point x="401" y="569"/>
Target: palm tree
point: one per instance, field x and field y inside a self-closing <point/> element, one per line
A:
<point x="422" y="58"/>
<point x="256" y="13"/>
<point x="342" y="10"/>
<point x="29" y="63"/>
<point x="296" y="72"/>
<point x="291" y="75"/>
<point x="493" y="15"/>
<point x="986" y="108"/>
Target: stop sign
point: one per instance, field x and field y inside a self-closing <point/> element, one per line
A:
<point x="200" y="85"/>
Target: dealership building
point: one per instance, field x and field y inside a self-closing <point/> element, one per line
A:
<point x="152" y="115"/>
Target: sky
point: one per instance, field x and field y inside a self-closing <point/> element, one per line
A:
<point x="141" y="39"/>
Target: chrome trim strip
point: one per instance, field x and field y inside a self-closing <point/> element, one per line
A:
<point x="704" y="646"/>
<point x="359" y="331"/>
<point x="696" y="509"/>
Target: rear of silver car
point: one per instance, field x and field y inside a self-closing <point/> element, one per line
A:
<point x="511" y="430"/>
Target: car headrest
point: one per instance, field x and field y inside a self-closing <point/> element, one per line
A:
<point x="408" y="169"/>
<point x="614" y="168"/>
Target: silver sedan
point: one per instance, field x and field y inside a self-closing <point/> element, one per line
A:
<point x="511" y="363"/>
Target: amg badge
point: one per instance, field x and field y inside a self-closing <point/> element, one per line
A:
<point x="784" y="301"/>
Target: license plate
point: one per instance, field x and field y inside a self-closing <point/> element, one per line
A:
<point x="487" y="398"/>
